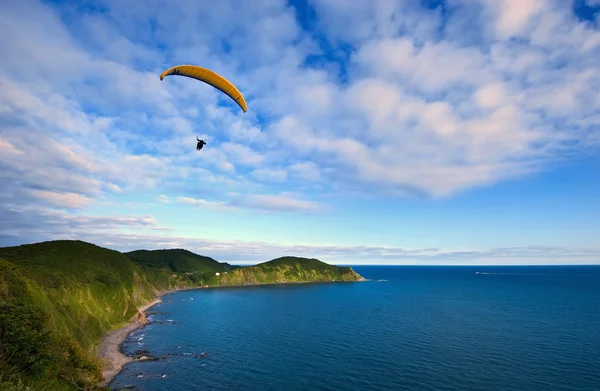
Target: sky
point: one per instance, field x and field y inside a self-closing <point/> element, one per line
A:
<point x="378" y="131"/>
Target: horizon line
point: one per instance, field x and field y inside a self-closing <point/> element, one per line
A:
<point x="440" y="265"/>
<point x="251" y="263"/>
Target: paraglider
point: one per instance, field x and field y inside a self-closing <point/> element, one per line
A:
<point x="200" y="144"/>
<point x="211" y="78"/>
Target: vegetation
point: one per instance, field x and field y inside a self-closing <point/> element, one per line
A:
<point x="177" y="260"/>
<point x="58" y="299"/>
<point x="286" y="270"/>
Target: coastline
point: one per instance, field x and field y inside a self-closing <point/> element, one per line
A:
<point x="110" y="347"/>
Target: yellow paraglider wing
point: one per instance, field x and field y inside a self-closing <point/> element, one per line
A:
<point x="209" y="77"/>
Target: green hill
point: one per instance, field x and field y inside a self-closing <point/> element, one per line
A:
<point x="177" y="260"/>
<point x="58" y="299"/>
<point x="286" y="270"/>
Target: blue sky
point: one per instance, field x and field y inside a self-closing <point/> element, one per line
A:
<point x="377" y="132"/>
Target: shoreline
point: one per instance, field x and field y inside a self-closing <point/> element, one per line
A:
<point x="110" y="347"/>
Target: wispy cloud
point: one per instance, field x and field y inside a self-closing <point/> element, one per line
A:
<point x="26" y="224"/>
<point x="66" y="200"/>
<point x="203" y="203"/>
<point x="265" y="202"/>
<point x="281" y="202"/>
<point x="164" y="199"/>
<point x="252" y="252"/>
<point x="270" y="174"/>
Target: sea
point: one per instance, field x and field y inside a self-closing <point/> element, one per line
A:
<point x="407" y="328"/>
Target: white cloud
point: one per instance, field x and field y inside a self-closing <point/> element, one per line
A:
<point x="513" y="16"/>
<point x="65" y="200"/>
<point x="25" y="224"/>
<point x="281" y="202"/>
<point x="270" y="174"/>
<point x="164" y="199"/>
<point x="307" y="170"/>
<point x="491" y="95"/>
<point x="242" y="154"/>
<point x="203" y="203"/>
<point x="434" y="67"/>
<point x="7" y="149"/>
<point x="114" y="188"/>
<point x="360" y="20"/>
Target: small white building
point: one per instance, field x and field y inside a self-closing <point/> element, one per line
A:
<point x="217" y="274"/>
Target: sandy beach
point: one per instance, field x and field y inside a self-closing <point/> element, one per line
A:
<point x="110" y="348"/>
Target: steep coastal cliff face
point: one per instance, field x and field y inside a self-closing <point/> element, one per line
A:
<point x="58" y="299"/>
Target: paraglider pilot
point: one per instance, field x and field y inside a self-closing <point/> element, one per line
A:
<point x="201" y="143"/>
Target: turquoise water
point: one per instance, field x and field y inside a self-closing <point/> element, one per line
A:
<point x="424" y="328"/>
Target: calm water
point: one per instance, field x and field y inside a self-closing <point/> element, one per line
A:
<point x="425" y="328"/>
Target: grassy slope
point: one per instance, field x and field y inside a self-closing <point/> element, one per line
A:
<point x="280" y="270"/>
<point x="78" y="291"/>
<point x="288" y="270"/>
<point x="57" y="300"/>
<point x="177" y="260"/>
